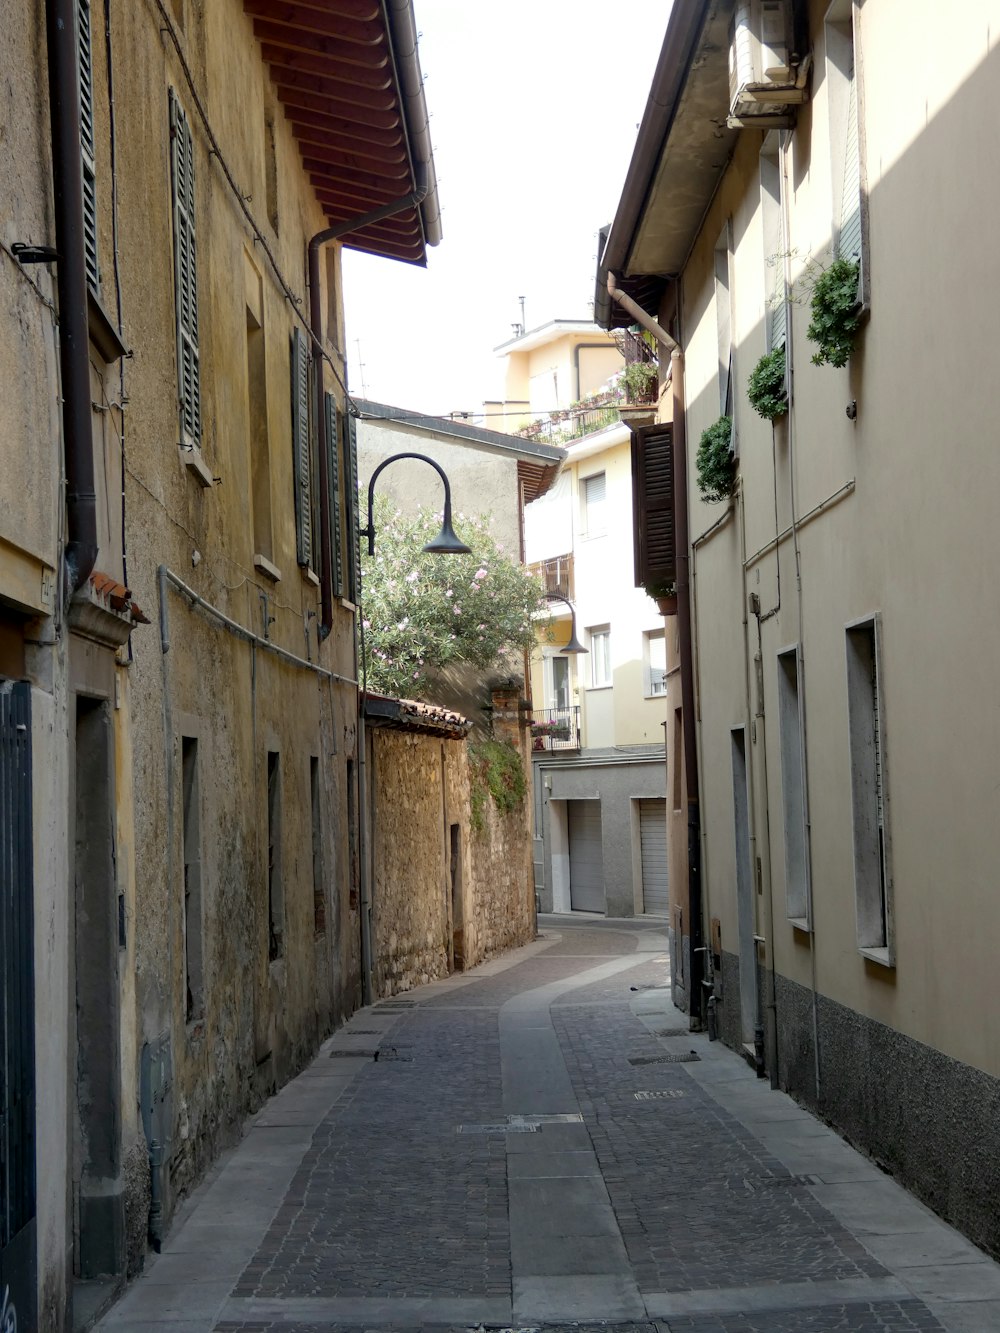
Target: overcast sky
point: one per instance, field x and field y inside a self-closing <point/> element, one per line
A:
<point x="534" y="108"/>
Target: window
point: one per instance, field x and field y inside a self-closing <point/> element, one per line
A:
<point x="194" y="989"/>
<point x="302" y="451"/>
<point x="772" y="218"/>
<point x="724" y="317"/>
<point x="594" y="493"/>
<point x="792" y="788"/>
<point x="872" y="880"/>
<point x="185" y="276"/>
<point x="845" y="133"/>
<point x="600" y="656"/>
<point x="275" y="898"/>
<point x="655" y="662"/>
<point x="559" y="692"/>
<point x="87" y="147"/>
<point x="319" y="892"/>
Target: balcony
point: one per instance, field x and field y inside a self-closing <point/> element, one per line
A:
<point x="555" y="729"/>
<point x="556" y="575"/>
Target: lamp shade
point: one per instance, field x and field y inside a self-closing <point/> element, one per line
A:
<point x="447" y="541"/>
<point x="574" y="645"/>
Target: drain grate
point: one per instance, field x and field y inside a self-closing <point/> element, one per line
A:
<point x="669" y="1058"/>
<point x="361" y="1054"/>
<point x="669" y="1032"/>
<point x="659" y="1095"/>
<point x="499" y="1128"/>
<point x="754" y="1183"/>
<point x="395" y="1004"/>
<point x="362" y="1032"/>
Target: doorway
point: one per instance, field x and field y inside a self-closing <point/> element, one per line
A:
<point x="586" y="857"/>
<point x="744" y="887"/>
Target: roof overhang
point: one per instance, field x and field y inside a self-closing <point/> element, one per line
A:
<point x="682" y="149"/>
<point x="347" y="74"/>
<point x="415" y="717"/>
<point x="547" y="333"/>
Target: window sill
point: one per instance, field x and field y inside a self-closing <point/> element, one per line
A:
<point x="265" y="567"/>
<point x="800" y="923"/>
<point x="593" y="689"/>
<point x="310" y="576"/>
<point x="194" y="460"/>
<point x="881" y="956"/>
<point x="659" y="694"/>
<point x="103" y="334"/>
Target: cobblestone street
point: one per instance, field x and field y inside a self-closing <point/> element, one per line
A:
<point x="541" y="1143"/>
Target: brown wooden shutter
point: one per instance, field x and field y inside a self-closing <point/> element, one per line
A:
<point x="653" y="505"/>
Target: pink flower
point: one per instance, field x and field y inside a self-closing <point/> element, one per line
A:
<point x="479" y="574"/>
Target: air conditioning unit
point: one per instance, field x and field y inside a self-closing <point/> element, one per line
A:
<point x="766" y="76"/>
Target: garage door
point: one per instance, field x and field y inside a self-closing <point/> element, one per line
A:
<point x="586" y="858"/>
<point x="653" y="850"/>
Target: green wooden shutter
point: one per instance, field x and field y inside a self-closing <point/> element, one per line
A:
<point x="351" y="510"/>
<point x="333" y="420"/>
<point x="185" y="274"/>
<point x="87" y="146"/>
<point x="302" y="453"/>
<point x="653" y="505"/>
<point x="850" y="209"/>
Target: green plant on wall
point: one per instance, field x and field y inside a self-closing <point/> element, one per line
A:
<point x="495" y="770"/>
<point x="836" y="313"/>
<point x="715" y="463"/>
<point x="766" y="385"/>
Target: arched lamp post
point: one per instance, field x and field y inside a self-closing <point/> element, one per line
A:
<point x="574" y="645"/>
<point x="446" y="542"/>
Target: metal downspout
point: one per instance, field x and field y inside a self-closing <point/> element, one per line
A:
<point x="639" y="315"/>
<point x="411" y="200"/>
<point x="71" y="276"/>
<point x="687" y="688"/>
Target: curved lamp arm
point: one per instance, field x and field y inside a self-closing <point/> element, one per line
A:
<point x="446" y="542"/>
<point x="574" y="645"/>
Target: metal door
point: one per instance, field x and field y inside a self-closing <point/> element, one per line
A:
<point x="653" y="851"/>
<point x="586" y="857"/>
<point x="17" y="1014"/>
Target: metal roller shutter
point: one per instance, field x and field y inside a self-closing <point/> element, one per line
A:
<point x="653" y="850"/>
<point x="586" y="857"/>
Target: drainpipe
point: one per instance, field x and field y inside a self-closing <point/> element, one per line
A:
<point x="639" y="315"/>
<point x="687" y="687"/>
<point x="411" y="200"/>
<point x="71" y="276"/>
<point x="696" y="933"/>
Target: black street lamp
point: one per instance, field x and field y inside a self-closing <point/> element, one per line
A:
<point x="446" y="542"/>
<point x="574" y="645"/>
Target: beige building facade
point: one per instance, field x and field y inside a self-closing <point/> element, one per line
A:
<point x="845" y="732"/>
<point x="184" y="913"/>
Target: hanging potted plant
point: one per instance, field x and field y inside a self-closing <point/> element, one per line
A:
<point x="836" y="313"/>
<point x="664" y="594"/>
<point x="640" y="381"/>
<point x="766" y="387"/>
<point x="715" y="463"/>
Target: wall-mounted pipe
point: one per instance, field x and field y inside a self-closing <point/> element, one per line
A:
<point x="641" y="318"/>
<point x="411" y="200"/>
<point x="71" y="277"/>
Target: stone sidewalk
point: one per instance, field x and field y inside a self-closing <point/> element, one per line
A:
<point x="542" y="1143"/>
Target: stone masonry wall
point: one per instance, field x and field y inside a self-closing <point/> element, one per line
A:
<point x="444" y="897"/>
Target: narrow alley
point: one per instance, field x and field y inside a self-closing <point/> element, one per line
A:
<point x="541" y="1142"/>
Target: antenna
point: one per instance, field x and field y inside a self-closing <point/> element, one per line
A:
<point x="361" y="369"/>
<point x="523" y="325"/>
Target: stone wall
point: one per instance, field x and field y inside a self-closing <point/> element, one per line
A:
<point x="445" y="897"/>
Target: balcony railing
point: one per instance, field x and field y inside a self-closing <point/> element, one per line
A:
<point x="555" y="728"/>
<point x="556" y="574"/>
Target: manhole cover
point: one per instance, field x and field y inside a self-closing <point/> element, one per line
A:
<point x="681" y="1058"/>
<point x="659" y="1095"/>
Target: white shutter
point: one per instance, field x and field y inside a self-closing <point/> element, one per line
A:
<point x="185" y="274"/>
<point x="302" y="454"/>
<point x="850" y="210"/>
<point x="87" y="146"/>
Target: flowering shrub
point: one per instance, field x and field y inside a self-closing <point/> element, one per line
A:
<point x="422" y="612"/>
